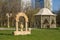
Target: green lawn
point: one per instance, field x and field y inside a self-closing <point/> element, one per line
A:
<point x="37" y="34"/>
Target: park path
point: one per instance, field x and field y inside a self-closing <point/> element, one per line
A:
<point x="7" y="28"/>
<point x="15" y="29"/>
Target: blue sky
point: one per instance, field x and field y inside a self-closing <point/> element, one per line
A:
<point x="56" y="5"/>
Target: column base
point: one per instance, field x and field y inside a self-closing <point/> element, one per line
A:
<point x="22" y="32"/>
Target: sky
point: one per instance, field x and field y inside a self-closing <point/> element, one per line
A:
<point x="56" y="5"/>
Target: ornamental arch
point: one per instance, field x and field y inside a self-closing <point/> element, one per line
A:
<point x="21" y="14"/>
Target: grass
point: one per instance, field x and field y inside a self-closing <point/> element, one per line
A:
<point x="37" y="34"/>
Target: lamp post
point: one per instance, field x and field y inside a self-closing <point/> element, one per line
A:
<point x="8" y="15"/>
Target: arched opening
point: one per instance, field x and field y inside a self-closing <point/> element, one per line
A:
<point x="52" y="22"/>
<point x="46" y="24"/>
<point x="21" y="20"/>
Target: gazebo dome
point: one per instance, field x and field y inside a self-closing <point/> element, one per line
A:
<point x="44" y="11"/>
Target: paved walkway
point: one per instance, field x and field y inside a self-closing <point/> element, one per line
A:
<point x="7" y="28"/>
<point x="13" y="28"/>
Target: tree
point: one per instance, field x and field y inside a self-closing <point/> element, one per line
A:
<point x="31" y="13"/>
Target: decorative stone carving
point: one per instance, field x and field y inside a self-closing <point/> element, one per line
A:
<point x="21" y="26"/>
<point x="21" y="32"/>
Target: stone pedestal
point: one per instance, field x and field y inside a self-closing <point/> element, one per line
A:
<point x="22" y="32"/>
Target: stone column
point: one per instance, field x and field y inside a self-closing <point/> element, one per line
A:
<point x="16" y="25"/>
<point x="50" y="22"/>
<point x="41" y="21"/>
<point x="26" y="26"/>
<point x="55" y="21"/>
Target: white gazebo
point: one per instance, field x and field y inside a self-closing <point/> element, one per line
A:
<point x="45" y="19"/>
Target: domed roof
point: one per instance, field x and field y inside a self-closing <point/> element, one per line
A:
<point x="44" y="11"/>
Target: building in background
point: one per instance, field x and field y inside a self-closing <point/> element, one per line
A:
<point x="37" y="3"/>
<point x="48" y="4"/>
<point x="33" y="4"/>
<point x="42" y="3"/>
